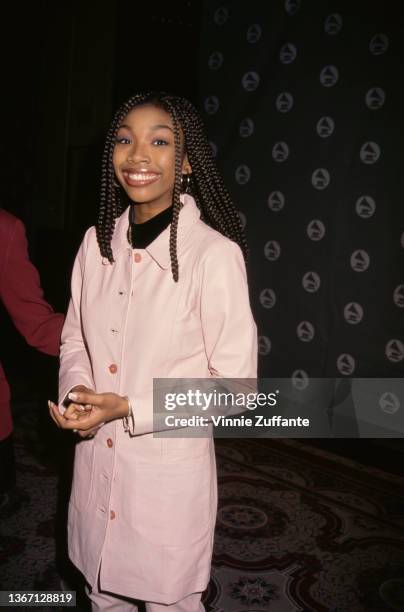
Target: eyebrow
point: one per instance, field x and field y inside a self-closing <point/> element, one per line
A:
<point x="158" y="126"/>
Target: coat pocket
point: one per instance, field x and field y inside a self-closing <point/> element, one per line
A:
<point x="83" y="473"/>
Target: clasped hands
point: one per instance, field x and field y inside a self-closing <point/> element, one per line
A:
<point x="89" y="410"/>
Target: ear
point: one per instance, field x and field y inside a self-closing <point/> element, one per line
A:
<point x="186" y="166"/>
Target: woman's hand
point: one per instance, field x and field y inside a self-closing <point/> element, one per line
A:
<point x="89" y="410"/>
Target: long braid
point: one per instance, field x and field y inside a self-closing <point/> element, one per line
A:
<point x="208" y="187"/>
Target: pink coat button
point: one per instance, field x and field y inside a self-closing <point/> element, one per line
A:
<point x="113" y="368"/>
<point x="137" y="257"/>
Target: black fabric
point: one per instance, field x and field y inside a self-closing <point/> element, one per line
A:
<point x="143" y="234"/>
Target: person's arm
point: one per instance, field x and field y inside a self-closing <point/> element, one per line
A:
<point x="229" y="331"/>
<point x="22" y="295"/>
<point x="75" y="366"/>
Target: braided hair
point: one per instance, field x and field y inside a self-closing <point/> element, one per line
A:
<point x="205" y="183"/>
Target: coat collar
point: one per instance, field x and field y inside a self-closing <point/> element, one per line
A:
<point x="158" y="249"/>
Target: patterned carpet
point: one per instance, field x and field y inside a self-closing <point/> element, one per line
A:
<point x="298" y="529"/>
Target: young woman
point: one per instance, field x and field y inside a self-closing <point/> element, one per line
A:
<point x="159" y="290"/>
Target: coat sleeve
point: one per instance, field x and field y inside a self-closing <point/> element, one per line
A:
<point x="228" y="327"/>
<point x="22" y="295"/>
<point x="75" y="365"/>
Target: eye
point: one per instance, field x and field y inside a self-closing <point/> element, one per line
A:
<point x="122" y="140"/>
<point x="160" y="142"/>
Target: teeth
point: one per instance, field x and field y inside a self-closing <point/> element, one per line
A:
<point x="141" y="177"/>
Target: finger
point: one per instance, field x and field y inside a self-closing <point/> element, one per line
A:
<point x="61" y="421"/>
<point x="52" y="415"/>
<point x="80" y="397"/>
<point x="73" y="411"/>
<point x="55" y="414"/>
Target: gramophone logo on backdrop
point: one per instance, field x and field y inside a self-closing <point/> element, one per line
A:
<point x="316" y="230"/>
<point x="325" y="127"/>
<point x="280" y="151"/>
<point x="398" y="296"/>
<point x="365" y="207"/>
<point x="300" y="380"/>
<point x="375" y="98"/>
<point x="305" y="331"/>
<point x="250" y="81"/>
<point x="346" y="364"/>
<point x="370" y="152"/>
<point x="284" y="102"/>
<point x="320" y="179"/>
<point x="211" y="104"/>
<point x="264" y="345"/>
<point x="215" y="60"/>
<point x="389" y="402"/>
<point x="353" y="313"/>
<point x="242" y="174"/>
<point x="333" y="24"/>
<point x="395" y="350"/>
<point x="287" y="53"/>
<point x="243" y="218"/>
<point x="246" y="127"/>
<point x="272" y="250"/>
<point x="379" y="44"/>
<point x="276" y="201"/>
<point x="311" y="282"/>
<point x="360" y="260"/>
<point x="329" y="76"/>
<point x="213" y="146"/>
<point x="254" y="33"/>
<point x="221" y="15"/>
<point x="292" y="6"/>
<point x="268" y="298"/>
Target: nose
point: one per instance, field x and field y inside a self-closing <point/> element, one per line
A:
<point x="137" y="153"/>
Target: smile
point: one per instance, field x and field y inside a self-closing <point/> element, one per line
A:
<point x="139" y="179"/>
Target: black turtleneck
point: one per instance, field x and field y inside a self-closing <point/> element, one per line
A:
<point x="144" y="233"/>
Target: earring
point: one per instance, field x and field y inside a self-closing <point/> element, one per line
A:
<point x="186" y="183"/>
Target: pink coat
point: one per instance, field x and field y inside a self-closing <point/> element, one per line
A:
<point x="146" y="506"/>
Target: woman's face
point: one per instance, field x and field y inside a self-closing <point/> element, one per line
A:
<point x="144" y="157"/>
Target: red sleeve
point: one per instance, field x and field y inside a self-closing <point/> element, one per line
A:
<point x="22" y="295"/>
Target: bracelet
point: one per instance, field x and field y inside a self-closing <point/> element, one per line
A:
<point x="129" y="420"/>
